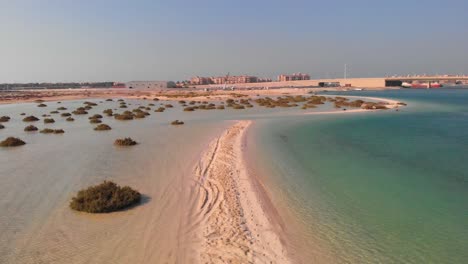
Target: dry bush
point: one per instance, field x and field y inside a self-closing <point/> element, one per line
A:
<point x="177" y="122"/>
<point x="30" y="128"/>
<point x="125" y="142"/>
<point x="12" y="142"/>
<point x="104" y="198"/>
<point x="102" y="127"/>
<point x="4" y="119"/>
<point x="30" y="119"/>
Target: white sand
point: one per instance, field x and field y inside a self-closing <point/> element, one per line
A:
<point x="235" y="226"/>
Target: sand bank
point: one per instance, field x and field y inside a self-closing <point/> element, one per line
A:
<point x="234" y="225"/>
<point x="23" y="96"/>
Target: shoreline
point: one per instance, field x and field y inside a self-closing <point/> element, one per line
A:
<point x="235" y="224"/>
<point x="29" y="96"/>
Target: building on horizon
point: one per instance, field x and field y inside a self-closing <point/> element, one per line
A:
<point x="197" y="80"/>
<point x="293" y="77"/>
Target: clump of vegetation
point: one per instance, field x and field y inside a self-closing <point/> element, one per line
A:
<point x="140" y="115"/>
<point x="189" y="109"/>
<point x="90" y="103"/>
<point x="4" y="119"/>
<point x="12" y="142"/>
<point x="52" y="131"/>
<point x="54" y="112"/>
<point x="372" y="106"/>
<point x="2" y="126"/>
<point x="49" y="120"/>
<point x="30" y="119"/>
<point x="95" y="121"/>
<point x="41" y="105"/>
<point x="65" y="114"/>
<point x="169" y="106"/>
<point x="61" y="108"/>
<point x="124" y="116"/>
<point x="155" y="99"/>
<point x="177" y="122"/>
<point x="102" y="127"/>
<point x="220" y="107"/>
<point x="108" y="112"/>
<point x="104" y="198"/>
<point x="39" y="101"/>
<point x="125" y="142"/>
<point x="160" y="109"/>
<point x="80" y="111"/>
<point x="23" y="114"/>
<point x="70" y="119"/>
<point x="96" y="116"/>
<point x="109" y="100"/>
<point x="238" y="107"/>
<point x="30" y="128"/>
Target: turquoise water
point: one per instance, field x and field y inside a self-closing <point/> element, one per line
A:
<point x="389" y="187"/>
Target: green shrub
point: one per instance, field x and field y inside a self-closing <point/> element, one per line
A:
<point x="12" y="142"/>
<point x="49" y="120"/>
<point x="30" y="119"/>
<point x="61" y="108"/>
<point x="125" y="142"/>
<point x="30" y="128"/>
<point x="54" y="112"/>
<point x="65" y="114"/>
<point x="104" y="198"/>
<point x="70" y="119"/>
<point x="102" y="127"/>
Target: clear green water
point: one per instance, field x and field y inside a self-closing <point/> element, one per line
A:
<point x="389" y="187"/>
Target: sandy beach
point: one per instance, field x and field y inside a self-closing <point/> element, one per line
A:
<point x="234" y="225"/>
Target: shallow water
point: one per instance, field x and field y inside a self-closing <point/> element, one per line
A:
<point x="38" y="180"/>
<point x="390" y="187"/>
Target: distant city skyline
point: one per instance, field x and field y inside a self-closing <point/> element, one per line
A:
<point x="81" y="41"/>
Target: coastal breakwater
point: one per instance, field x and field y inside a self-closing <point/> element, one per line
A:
<point x="234" y="226"/>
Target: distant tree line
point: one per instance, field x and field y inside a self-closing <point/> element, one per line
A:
<point x="4" y="86"/>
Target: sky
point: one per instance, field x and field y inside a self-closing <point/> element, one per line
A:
<point x="117" y="40"/>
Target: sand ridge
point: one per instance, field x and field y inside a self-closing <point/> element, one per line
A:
<point x="234" y="227"/>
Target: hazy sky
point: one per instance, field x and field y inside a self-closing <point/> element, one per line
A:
<point x="97" y="40"/>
